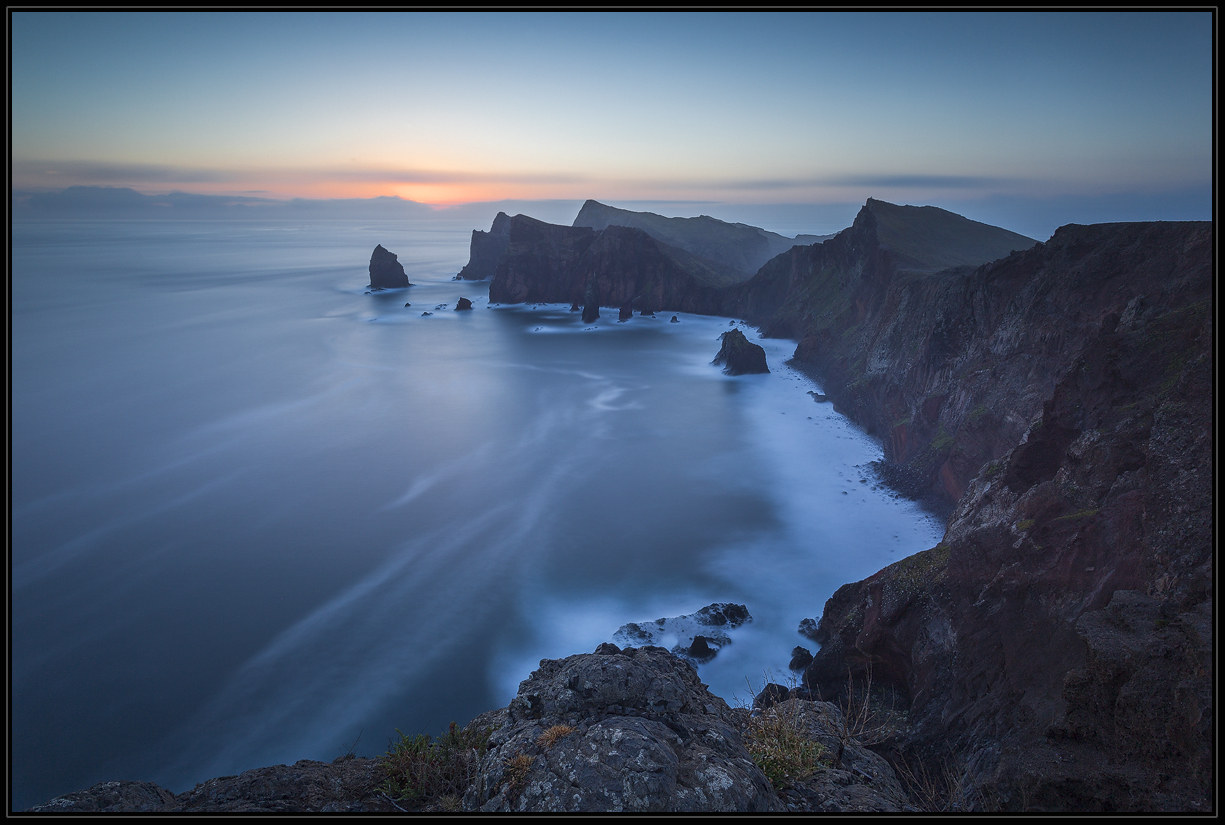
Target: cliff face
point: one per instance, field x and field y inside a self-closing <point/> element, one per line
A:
<point x="547" y="263"/>
<point x="1056" y="647"/>
<point x="737" y="248"/>
<point x="950" y="368"/>
<point x="486" y="249"/>
<point x="1055" y="650"/>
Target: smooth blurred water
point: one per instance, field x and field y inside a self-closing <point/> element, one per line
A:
<point x="259" y="515"/>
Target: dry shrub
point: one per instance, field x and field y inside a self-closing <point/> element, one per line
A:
<point x="419" y="770"/>
<point x="549" y="738"/>
<point x="781" y="746"/>
<point x="517" y="768"/>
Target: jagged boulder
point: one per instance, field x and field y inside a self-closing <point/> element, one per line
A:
<point x="633" y="731"/>
<point x="462" y="304"/>
<point x="386" y="271"/>
<point x="701" y="634"/>
<point x="739" y="355"/>
<point x="105" y="797"/>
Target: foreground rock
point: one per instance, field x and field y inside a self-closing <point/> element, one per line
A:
<point x="645" y="736"/>
<point x="739" y="355"/>
<point x="634" y="730"/>
<point x="386" y="271"/>
<point x="348" y="785"/>
<point x="630" y="730"/>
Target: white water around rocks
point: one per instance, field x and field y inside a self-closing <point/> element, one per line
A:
<point x="259" y="515"/>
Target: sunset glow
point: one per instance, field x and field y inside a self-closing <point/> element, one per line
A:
<point x="805" y="108"/>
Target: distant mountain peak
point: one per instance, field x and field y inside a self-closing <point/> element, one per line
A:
<point x="928" y="238"/>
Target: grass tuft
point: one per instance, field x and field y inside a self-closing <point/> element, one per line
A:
<point x="781" y="747"/>
<point x="517" y="769"/>
<point x="419" y="770"/>
<point x="549" y="738"/>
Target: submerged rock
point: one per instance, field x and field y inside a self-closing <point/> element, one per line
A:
<point x="808" y="627"/>
<point x="770" y="696"/>
<point x="386" y="271"/>
<point x="739" y="355"/>
<point x="699" y="636"/>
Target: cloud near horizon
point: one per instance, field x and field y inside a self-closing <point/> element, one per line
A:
<point x="750" y="108"/>
<point x="452" y="187"/>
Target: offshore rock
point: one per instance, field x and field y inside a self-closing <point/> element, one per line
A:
<point x="386" y="271"/>
<point x="739" y="355"/>
<point x="462" y="304"/>
<point x="591" y="304"/>
<point x="801" y="657"/>
<point x="701" y="634"/>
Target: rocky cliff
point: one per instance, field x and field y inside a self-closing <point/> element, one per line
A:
<point x="737" y="247"/>
<point x="1056" y="646"/>
<point x="1053" y="653"/>
<point x="486" y="249"/>
<point x="616" y="267"/>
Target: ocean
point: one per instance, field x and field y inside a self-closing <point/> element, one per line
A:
<point x="260" y="514"/>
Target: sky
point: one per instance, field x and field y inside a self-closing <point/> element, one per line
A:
<point x="1015" y="116"/>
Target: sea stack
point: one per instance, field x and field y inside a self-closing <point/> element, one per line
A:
<point x="591" y="304"/>
<point x="386" y="272"/>
<point x="739" y="355"/>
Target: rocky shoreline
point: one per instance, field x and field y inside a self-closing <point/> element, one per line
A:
<point x="1052" y="653"/>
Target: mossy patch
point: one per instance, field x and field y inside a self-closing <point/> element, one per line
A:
<point x="1073" y="516"/>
